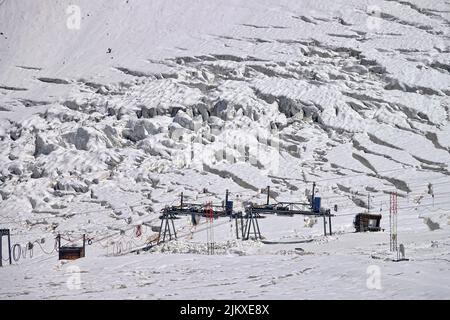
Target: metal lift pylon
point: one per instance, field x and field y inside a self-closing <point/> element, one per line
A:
<point x="167" y="227"/>
<point x="5" y="232"/>
<point x="251" y="222"/>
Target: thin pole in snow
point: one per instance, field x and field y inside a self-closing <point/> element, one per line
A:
<point x="313" y="195"/>
<point x="182" y="201"/>
<point x="1" y="250"/>
<point x="329" y="221"/>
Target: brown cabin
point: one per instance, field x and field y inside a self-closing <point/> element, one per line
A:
<point x="71" y="252"/>
<point x="367" y="222"/>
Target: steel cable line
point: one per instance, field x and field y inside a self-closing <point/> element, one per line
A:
<point x="19" y="251"/>
<point x="399" y="208"/>
<point x="199" y="230"/>
<point x="50" y="256"/>
<point x="190" y="233"/>
<point x="378" y="197"/>
<point x="118" y="246"/>
<point x="372" y="195"/>
<point x="95" y="211"/>
<point x="44" y="251"/>
<point x="383" y="191"/>
<point x="71" y="241"/>
<point x="417" y="206"/>
<point x="125" y="230"/>
<point x="102" y="210"/>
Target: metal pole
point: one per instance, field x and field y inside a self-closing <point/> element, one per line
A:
<point x="58" y="237"/>
<point x="257" y="226"/>
<point x="268" y="193"/>
<point x="313" y="195"/>
<point x="182" y="201"/>
<point x="329" y="221"/>
<point x="227" y="212"/>
<point x="84" y="245"/>
<point x="324" y="225"/>
<point x="168" y="227"/>
<point x="390" y="222"/>
<point x="254" y="227"/>
<point x="165" y="228"/>
<point x="242" y="225"/>
<point x="247" y="226"/>
<point x="237" y="231"/>
<point x="1" y="250"/>
<point x="244" y="229"/>
<point x="160" y="229"/>
<point x="9" y="247"/>
<point x="174" y="231"/>
<point x="247" y="236"/>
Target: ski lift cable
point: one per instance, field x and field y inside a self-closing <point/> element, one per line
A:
<point x="376" y="196"/>
<point x="399" y="208"/>
<point x="377" y="193"/>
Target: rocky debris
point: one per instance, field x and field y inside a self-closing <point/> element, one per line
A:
<point x="4" y="128"/>
<point x="177" y="132"/>
<point x="138" y="130"/>
<point x="154" y="149"/>
<point x="16" y="169"/>
<point x="352" y="68"/>
<point x="215" y="123"/>
<point x="70" y="185"/>
<point x="431" y="224"/>
<point x="42" y="146"/>
<point x="145" y="112"/>
<point x="184" y="120"/>
<point x="61" y="114"/>
<point x="53" y="80"/>
<point x="87" y="139"/>
<point x="37" y="172"/>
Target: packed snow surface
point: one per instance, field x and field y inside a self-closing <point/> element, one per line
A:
<point x="110" y="109"/>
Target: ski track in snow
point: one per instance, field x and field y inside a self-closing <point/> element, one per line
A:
<point x="92" y="140"/>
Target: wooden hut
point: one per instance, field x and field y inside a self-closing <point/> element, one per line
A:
<point x="71" y="252"/>
<point x="367" y="222"/>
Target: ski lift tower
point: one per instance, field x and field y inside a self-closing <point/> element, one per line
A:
<point x="393" y="213"/>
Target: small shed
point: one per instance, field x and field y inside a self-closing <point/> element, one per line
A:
<point x="367" y="222"/>
<point x="71" y="252"/>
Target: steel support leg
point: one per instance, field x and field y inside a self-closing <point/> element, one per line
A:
<point x="259" y="231"/>
<point x="237" y="226"/>
<point x="160" y="230"/>
<point x="329" y="222"/>
<point x="174" y="231"/>
<point x="9" y="248"/>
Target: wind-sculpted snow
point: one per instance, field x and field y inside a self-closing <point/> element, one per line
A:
<point x="106" y="117"/>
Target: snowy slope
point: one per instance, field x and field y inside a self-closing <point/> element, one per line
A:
<point x="109" y="110"/>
